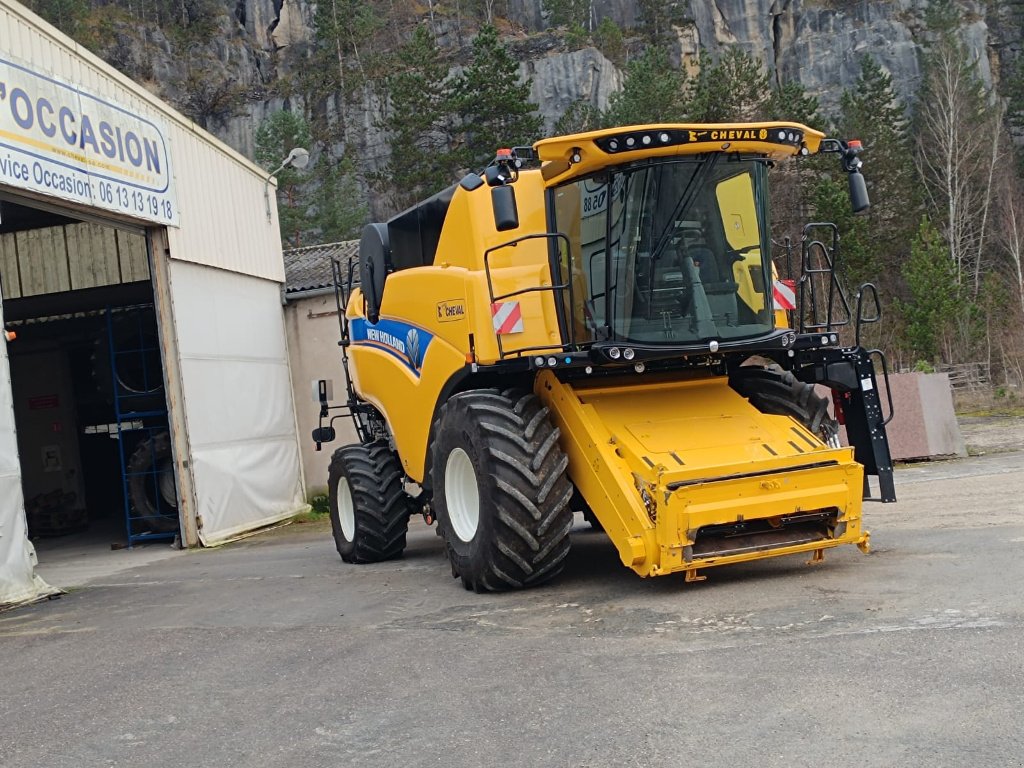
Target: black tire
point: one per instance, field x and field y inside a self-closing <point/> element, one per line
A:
<point x="373" y="517"/>
<point x="139" y="382"/>
<point x="504" y="445"/>
<point x="151" y="487"/>
<point x="773" y="390"/>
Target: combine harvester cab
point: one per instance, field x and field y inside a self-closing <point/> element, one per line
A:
<point x="597" y="323"/>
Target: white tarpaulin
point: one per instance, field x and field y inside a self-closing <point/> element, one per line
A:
<point x="18" y="581"/>
<point x="238" y="399"/>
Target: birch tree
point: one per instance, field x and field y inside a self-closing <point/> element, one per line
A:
<point x="958" y="133"/>
<point x="1009" y="229"/>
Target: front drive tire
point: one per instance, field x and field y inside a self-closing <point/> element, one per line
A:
<point x="369" y="506"/>
<point x="775" y="391"/>
<point x="501" y="493"/>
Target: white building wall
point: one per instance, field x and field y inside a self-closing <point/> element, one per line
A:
<point x="237" y="393"/>
<point x="222" y="206"/>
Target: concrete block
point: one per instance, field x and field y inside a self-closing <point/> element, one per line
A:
<point x="925" y="424"/>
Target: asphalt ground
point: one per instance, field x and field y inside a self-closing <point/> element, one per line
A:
<point x="272" y="652"/>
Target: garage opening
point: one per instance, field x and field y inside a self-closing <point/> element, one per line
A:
<point x="87" y="379"/>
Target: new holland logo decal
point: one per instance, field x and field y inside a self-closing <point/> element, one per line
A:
<point x="404" y="342"/>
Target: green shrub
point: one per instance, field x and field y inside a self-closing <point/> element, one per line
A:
<point x="320" y="504"/>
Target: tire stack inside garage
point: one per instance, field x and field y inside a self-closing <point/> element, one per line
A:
<point x="87" y="377"/>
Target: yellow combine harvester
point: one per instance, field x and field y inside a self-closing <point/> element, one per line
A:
<point x="595" y="324"/>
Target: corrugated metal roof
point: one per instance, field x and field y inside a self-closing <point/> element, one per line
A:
<point x="309" y="268"/>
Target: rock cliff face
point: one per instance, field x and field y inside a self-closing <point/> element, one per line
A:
<point x="562" y="79"/>
<point x="816" y="42"/>
<point x="262" y="43"/>
<point x="819" y="42"/>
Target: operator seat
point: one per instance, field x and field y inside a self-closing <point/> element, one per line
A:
<point x="719" y="287"/>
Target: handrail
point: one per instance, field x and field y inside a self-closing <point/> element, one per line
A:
<point x="861" y="320"/>
<point x="888" y="389"/>
<point x="808" y="287"/>
<point x="553" y="288"/>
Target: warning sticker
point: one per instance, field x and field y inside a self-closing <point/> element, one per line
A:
<point x="507" y="317"/>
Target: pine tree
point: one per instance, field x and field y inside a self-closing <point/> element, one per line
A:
<point x="492" y="103"/>
<point x="416" y="122"/>
<point x="831" y="203"/>
<point x="931" y="310"/>
<point x="659" y="18"/>
<point x="609" y="40"/>
<point x="570" y="13"/>
<point x="790" y="102"/>
<point x="338" y="213"/>
<point x="733" y="89"/>
<point x="275" y="138"/>
<point x="870" y="111"/>
<point x="652" y="92"/>
<point x="579" y="117"/>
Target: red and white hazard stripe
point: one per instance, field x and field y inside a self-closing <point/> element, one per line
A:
<point x="785" y="294"/>
<point x="507" y="317"/>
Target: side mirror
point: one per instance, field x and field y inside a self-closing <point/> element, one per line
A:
<point x="858" y="192"/>
<point x="324" y="435"/>
<point x="503" y="202"/>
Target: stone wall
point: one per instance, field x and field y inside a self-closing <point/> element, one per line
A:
<point x="312" y="328"/>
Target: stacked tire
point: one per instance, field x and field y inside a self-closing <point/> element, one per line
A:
<point x="151" y="488"/>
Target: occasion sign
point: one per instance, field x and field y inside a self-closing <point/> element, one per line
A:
<point x="57" y="140"/>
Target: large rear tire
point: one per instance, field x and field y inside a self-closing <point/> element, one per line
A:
<point x="369" y="506"/>
<point x="773" y="390"/>
<point x="501" y="493"/>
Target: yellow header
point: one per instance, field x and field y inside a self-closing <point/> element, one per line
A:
<point x="583" y="153"/>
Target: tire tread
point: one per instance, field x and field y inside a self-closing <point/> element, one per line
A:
<point x="530" y="490"/>
<point x="381" y="505"/>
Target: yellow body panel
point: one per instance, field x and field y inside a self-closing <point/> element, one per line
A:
<point x="752" y="138"/>
<point x="657" y="461"/>
<point x="450" y="302"/>
<point x="433" y="300"/>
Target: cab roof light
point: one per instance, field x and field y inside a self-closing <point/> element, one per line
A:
<point x="786" y="135"/>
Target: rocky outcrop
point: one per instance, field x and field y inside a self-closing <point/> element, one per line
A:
<point x="242" y="74"/>
<point x="561" y="79"/>
<point x="819" y="43"/>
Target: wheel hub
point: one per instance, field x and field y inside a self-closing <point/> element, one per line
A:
<point x="346" y="510"/>
<point x="462" y="495"/>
